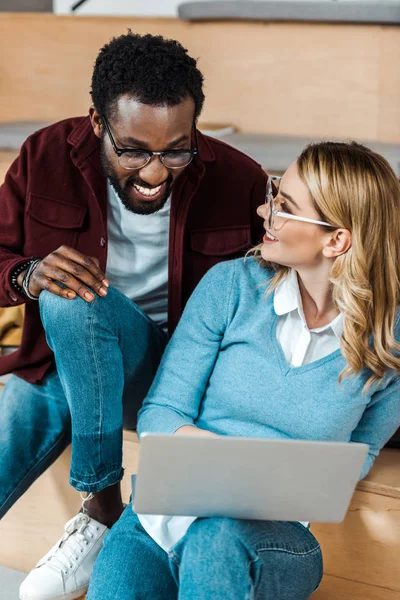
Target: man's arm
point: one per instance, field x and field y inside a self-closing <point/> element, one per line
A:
<point x="12" y="208"/>
<point x="79" y="274"/>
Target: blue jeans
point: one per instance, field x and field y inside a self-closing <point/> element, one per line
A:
<point x="106" y="353"/>
<point x="218" y="559"/>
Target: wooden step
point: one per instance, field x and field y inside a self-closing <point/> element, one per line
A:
<point x="365" y="547"/>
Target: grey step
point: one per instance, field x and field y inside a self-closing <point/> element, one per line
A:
<point x="351" y="11"/>
<point x="276" y="152"/>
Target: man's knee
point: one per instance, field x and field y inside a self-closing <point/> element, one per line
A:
<point x="56" y="310"/>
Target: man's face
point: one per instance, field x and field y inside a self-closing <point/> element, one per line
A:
<point x="139" y="126"/>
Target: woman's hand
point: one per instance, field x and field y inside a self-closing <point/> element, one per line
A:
<point x="192" y="430"/>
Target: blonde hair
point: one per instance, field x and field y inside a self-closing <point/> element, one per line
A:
<point x="354" y="188"/>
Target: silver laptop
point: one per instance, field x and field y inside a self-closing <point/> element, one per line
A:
<point x="246" y="478"/>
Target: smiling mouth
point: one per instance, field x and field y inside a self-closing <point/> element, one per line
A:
<point x="148" y="192"/>
<point x="271" y="237"/>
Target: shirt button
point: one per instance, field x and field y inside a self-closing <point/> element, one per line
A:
<point x="12" y="297"/>
<point x="102" y="242"/>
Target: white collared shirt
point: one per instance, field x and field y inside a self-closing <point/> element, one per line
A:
<point x="300" y="344"/>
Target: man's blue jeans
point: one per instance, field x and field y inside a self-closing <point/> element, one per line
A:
<point x="218" y="559"/>
<point x="107" y="353"/>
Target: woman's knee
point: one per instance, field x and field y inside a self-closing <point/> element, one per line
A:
<point x="287" y="575"/>
<point x="212" y="537"/>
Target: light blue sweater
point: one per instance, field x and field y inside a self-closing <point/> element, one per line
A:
<point x="225" y="371"/>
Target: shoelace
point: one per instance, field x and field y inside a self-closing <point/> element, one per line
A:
<point x="77" y="535"/>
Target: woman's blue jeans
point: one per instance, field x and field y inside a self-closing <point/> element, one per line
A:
<point x="218" y="559"/>
<point x="106" y="353"/>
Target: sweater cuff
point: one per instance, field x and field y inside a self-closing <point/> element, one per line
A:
<point x="167" y="423"/>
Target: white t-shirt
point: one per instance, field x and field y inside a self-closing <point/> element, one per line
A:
<point x="137" y="259"/>
<point x="300" y="346"/>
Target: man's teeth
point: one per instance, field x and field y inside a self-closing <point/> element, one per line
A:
<point x="270" y="236"/>
<point x="147" y="191"/>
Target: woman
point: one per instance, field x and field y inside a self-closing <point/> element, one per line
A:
<point x="316" y="357"/>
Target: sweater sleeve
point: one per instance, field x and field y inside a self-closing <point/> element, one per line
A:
<point x="379" y="422"/>
<point x="175" y="397"/>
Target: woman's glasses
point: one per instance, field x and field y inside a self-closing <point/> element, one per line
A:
<point x="274" y="203"/>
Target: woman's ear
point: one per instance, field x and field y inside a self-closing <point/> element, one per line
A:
<point x="95" y="120"/>
<point x="338" y="242"/>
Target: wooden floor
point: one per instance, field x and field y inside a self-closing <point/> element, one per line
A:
<point x="361" y="555"/>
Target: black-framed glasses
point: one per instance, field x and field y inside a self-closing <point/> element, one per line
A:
<point x="273" y="204"/>
<point x="135" y="158"/>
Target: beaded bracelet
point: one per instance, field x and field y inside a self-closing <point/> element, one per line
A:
<point x="18" y="270"/>
<point x="26" y="279"/>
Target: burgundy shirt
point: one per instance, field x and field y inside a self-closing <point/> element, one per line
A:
<point x="55" y="193"/>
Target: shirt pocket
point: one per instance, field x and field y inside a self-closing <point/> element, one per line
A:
<point x="50" y="223"/>
<point x="229" y="242"/>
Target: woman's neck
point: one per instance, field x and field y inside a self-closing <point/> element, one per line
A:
<point x="316" y="296"/>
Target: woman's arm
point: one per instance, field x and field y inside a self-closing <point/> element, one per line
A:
<point x="174" y="400"/>
<point x="379" y="422"/>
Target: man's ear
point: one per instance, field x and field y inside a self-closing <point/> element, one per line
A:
<point x="96" y="122"/>
<point x="338" y="242"/>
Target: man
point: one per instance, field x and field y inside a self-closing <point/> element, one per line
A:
<point x="107" y="224"/>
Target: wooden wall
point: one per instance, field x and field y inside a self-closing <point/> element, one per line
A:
<point x="280" y="78"/>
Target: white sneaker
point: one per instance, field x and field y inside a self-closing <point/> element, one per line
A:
<point x="64" y="572"/>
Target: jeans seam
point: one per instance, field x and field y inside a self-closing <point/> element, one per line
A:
<point x="285" y="550"/>
<point x="97" y="369"/>
<point x="37" y="464"/>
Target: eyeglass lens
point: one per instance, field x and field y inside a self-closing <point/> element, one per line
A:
<point x="171" y="160"/>
<point x="273" y="185"/>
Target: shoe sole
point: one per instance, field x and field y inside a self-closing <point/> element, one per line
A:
<point x="71" y="596"/>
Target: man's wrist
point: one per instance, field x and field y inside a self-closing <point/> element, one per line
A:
<point x="18" y="274"/>
<point x="27" y="278"/>
<point x="20" y="278"/>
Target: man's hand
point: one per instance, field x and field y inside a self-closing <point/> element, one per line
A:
<point x="73" y="270"/>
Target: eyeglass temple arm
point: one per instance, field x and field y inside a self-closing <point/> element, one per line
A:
<point x="196" y="141"/>
<point x="110" y="135"/>
<point x="283" y="215"/>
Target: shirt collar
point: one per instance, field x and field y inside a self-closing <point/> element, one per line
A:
<point x="287" y="298"/>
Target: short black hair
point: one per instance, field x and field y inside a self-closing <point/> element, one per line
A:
<point x="154" y="70"/>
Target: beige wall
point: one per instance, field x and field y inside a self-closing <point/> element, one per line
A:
<point x="283" y="78"/>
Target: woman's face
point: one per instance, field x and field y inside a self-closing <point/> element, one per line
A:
<point x="295" y="244"/>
